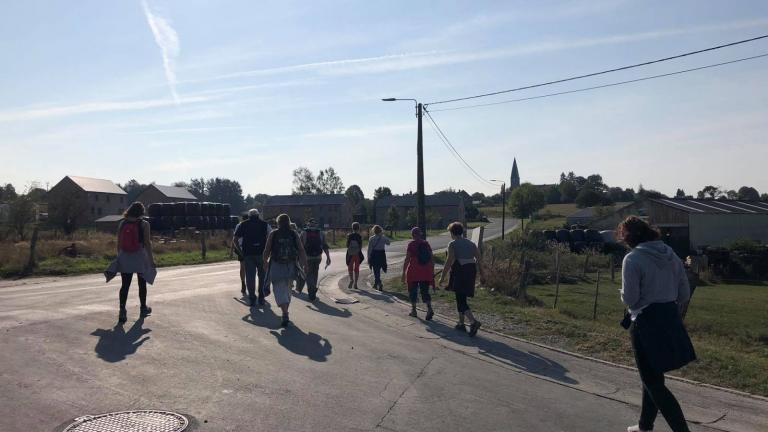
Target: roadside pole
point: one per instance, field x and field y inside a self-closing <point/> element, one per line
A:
<point x="597" y="292"/>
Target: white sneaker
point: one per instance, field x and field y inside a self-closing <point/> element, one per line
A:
<point x="636" y="428"/>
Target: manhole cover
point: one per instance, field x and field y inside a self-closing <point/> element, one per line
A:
<point x="130" y="421"/>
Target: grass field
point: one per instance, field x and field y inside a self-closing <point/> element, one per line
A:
<point x="552" y="216"/>
<point x="727" y="323"/>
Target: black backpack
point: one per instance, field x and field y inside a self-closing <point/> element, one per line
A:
<point x="254" y="237"/>
<point x="424" y="253"/>
<point x="314" y="242"/>
<point x="285" y="247"/>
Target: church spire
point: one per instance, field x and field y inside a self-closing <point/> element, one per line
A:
<point x="514" y="179"/>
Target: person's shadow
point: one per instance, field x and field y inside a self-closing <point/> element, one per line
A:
<point x="319" y="306"/>
<point x="310" y="345"/>
<point x="263" y="316"/>
<point x="526" y="361"/>
<point x="116" y="344"/>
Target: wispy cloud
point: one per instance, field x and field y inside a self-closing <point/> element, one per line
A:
<point x="91" y="107"/>
<point x="168" y="40"/>
<point x="193" y="130"/>
<point x="341" y="133"/>
<point x="426" y="59"/>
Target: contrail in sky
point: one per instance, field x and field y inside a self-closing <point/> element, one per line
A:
<point x="168" y="41"/>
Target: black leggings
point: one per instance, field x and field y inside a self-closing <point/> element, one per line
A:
<point x="461" y="303"/>
<point x="126" y="277"/>
<point x="656" y="395"/>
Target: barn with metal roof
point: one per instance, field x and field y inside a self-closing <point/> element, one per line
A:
<point x="692" y="224"/>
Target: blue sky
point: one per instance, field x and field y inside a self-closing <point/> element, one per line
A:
<point x="166" y="90"/>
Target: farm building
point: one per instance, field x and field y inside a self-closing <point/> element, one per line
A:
<point x="164" y="194"/>
<point x="441" y="209"/>
<point x="86" y="199"/>
<point x="333" y="210"/>
<point x="692" y="224"/>
<point x="586" y="215"/>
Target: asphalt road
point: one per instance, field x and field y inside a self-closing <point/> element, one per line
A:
<point x="364" y="366"/>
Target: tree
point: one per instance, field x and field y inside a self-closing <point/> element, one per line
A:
<point x="354" y="195"/>
<point x="568" y="192"/>
<point x="617" y="194"/>
<point x="21" y="214"/>
<point x="37" y="194"/>
<point x="748" y="193"/>
<point x="553" y="195"/>
<point x="328" y="182"/>
<point x="222" y="190"/>
<point x="730" y="194"/>
<point x="525" y="201"/>
<point x="410" y="218"/>
<point x="132" y="188"/>
<point x="197" y="187"/>
<point x="588" y="198"/>
<point x="66" y="213"/>
<point x="8" y="193"/>
<point x="381" y="192"/>
<point x="595" y="182"/>
<point x="303" y="181"/>
<point x="433" y="218"/>
<point x="643" y="193"/>
<point x="709" y="192"/>
<point x="680" y="193"/>
<point x="764" y="197"/>
<point x="393" y="217"/>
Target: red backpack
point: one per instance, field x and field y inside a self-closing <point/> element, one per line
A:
<point x="131" y="236"/>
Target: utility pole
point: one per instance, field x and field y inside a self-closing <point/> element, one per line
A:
<point x="421" y="216"/>
<point x="503" y="209"/>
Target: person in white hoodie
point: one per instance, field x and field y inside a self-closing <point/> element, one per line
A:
<point x="654" y="287"/>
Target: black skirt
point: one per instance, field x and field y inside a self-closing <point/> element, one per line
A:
<point x="462" y="279"/>
<point x="378" y="258"/>
<point x="660" y="334"/>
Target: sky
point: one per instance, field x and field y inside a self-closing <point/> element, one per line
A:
<point x="166" y="90"/>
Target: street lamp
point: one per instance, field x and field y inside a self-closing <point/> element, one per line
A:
<point x="420" y="206"/>
<point x="503" y="205"/>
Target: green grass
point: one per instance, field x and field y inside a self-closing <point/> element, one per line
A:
<point x="61" y="265"/>
<point x="727" y="323"/>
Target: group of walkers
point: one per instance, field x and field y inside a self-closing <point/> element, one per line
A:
<point x="655" y="288"/>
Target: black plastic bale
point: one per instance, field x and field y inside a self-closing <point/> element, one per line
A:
<point x="166" y="209"/>
<point x="205" y="209"/>
<point x="204" y="223"/>
<point x="166" y="222"/>
<point x="155" y="223"/>
<point x="233" y="221"/>
<point x="179" y="221"/>
<point x="550" y="235"/>
<point x="155" y="210"/>
<point x="593" y="236"/>
<point x="226" y="210"/>
<point x="563" y="236"/>
<point x="222" y="222"/>
<point x="193" y="208"/>
<point x="179" y="209"/>
<point x="577" y="235"/>
<point x="219" y="209"/>
<point x="579" y="246"/>
<point x="194" y="221"/>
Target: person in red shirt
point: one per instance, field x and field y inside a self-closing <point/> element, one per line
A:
<point x="419" y="272"/>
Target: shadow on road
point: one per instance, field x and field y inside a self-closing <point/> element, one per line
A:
<point x="324" y="308"/>
<point x="263" y="316"/>
<point x="116" y="344"/>
<point x="373" y="295"/>
<point x="310" y="345"/>
<point x="526" y="361"/>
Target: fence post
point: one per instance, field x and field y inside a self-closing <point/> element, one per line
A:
<point x="613" y="269"/>
<point x="586" y="264"/>
<point x="32" y="246"/>
<point x="333" y="236"/>
<point x="597" y="291"/>
<point x="557" y="276"/>
<point x="203" y="247"/>
<point x="521" y="292"/>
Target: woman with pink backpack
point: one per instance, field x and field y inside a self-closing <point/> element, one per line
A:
<point x="134" y="255"/>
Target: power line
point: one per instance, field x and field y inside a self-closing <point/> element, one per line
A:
<point x="603" y="85"/>
<point x="452" y="149"/>
<point x="602" y="72"/>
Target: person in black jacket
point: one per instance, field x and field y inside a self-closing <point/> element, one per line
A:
<point x="252" y="234"/>
<point x="654" y="288"/>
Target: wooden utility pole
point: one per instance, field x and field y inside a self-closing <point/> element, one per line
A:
<point x="421" y="216"/>
<point x="32" y="262"/>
